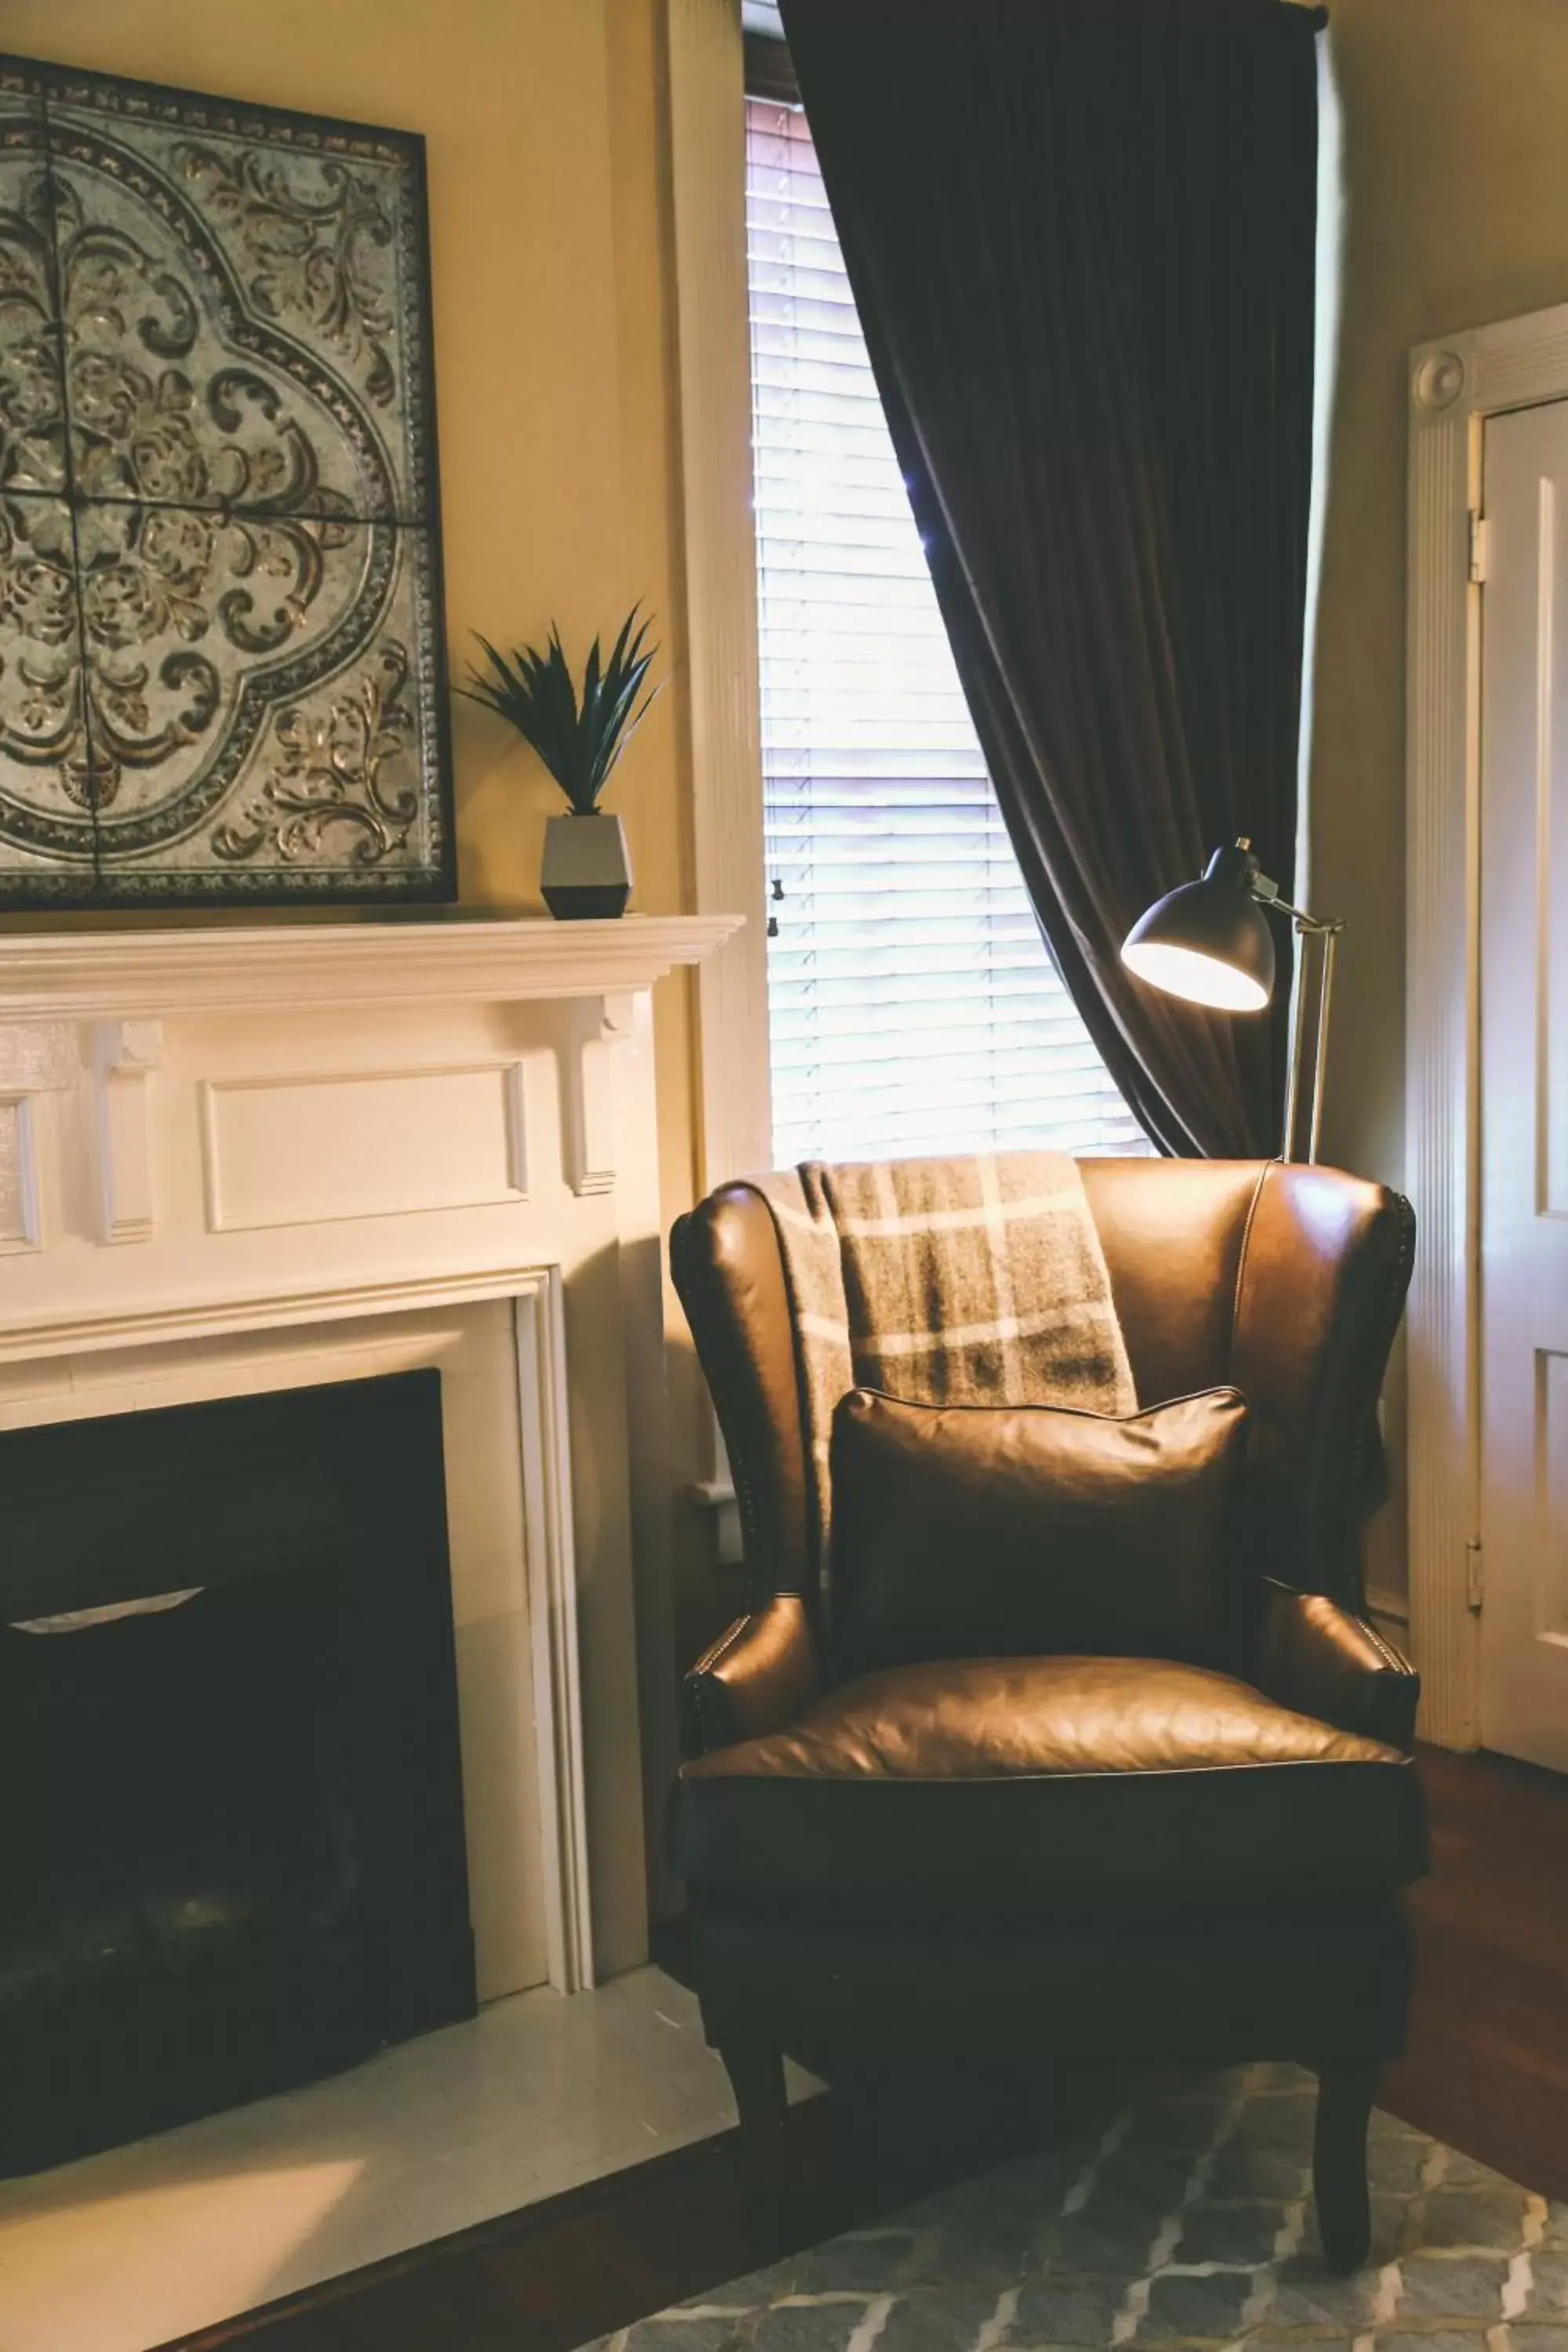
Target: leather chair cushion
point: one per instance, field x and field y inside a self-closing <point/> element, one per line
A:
<point x="989" y="1530"/>
<point x="1009" y="1787"/>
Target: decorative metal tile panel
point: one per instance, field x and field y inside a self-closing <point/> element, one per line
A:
<point x="221" y="640"/>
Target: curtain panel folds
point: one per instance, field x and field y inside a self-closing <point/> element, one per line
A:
<point x="1080" y="236"/>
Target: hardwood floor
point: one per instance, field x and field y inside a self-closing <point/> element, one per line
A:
<point x="1487" y="2069"/>
<point x="1487" y="2066"/>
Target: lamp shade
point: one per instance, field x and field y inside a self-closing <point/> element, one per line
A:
<point x="1208" y="941"/>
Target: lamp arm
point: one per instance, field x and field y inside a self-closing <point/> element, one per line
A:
<point x="1267" y="893"/>
<point x="1316" y="926"/>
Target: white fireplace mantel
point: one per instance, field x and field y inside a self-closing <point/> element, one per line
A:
<point x="463" y="958"/>
<point x="235" y="1158"/>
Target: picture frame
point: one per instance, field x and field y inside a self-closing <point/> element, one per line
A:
<point x="222" y="639"/>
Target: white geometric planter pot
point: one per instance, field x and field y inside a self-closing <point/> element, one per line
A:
<point x="586" y="871"/>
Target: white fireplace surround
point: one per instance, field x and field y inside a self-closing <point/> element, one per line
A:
<point x="233" y="1160"/>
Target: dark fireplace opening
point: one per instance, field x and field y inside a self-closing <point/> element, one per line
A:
<point x="231" y="1829"/>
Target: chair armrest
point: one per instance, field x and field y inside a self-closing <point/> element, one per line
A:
<point x="1318" y="1658"/>
<point x="756" y="1678"/>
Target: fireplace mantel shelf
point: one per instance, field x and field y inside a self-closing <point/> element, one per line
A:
<point x="467" y="959"/>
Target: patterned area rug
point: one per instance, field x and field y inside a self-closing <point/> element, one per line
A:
<point x="1187" y="2221"/>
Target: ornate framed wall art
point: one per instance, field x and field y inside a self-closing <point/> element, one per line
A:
<point x="221" y="641"/>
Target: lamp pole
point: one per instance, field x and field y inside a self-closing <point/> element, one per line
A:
<point x="1312" y="1011"/>
<point x="1327" y="934"/>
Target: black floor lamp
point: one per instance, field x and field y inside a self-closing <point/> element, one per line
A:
<point x="1209" y="942"/>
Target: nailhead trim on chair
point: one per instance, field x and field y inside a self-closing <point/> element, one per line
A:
<point x="1403" y="1262"/>
<point x="745" y="1495"/>
<point x="700" y="1681"/>
<point x="1241" y="1254"/>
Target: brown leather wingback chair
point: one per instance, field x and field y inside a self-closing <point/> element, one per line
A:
<point x="1216" y="1879"/>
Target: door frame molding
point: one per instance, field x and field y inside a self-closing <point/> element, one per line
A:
<point x="1456" y="382"/>
<point x="704" y="100"/>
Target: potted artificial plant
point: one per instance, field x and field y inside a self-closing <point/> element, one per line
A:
<point x="585" y="870"/>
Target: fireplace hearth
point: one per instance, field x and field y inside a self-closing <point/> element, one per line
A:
<point x="231" y="1829"/>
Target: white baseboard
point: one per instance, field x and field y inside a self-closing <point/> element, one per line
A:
<point x="1391" y="1606"/>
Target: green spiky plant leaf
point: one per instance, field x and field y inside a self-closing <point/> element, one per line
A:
<point x="578" y="737"/>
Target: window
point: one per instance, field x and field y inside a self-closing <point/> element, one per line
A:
<point x="912" y="1004"/>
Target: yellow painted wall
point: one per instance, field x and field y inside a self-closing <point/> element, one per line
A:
<point x="1456" y="179"/>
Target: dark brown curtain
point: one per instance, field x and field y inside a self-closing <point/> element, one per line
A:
<point x="1081" y="233"/>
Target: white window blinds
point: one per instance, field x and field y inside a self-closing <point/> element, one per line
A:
<point x="913" y="1005"/>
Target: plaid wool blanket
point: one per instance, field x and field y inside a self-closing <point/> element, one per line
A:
<point x="968" y="1281"/>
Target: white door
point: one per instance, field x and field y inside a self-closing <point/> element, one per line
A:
<point x="1524" y="1082"/>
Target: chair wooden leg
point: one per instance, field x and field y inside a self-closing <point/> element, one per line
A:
<point x="772" y="2192"/>
<point x="755" y="2068"/>
<point x="1346" y="2089"/>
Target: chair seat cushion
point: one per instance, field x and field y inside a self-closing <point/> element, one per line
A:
<point x="1015" y="1786"/>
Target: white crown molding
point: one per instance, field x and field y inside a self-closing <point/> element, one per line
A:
<point x="149" y="975"/>
<point x="162" y="1323"/>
